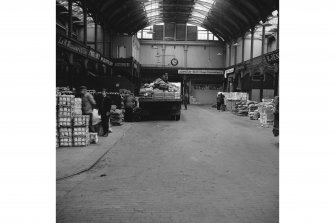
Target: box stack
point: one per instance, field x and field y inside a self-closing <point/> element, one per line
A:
<point x="65" y="104"/>
<point x="77" y="107"/>
<point x="72" y="127"/>
<point x="57" y="138"/>
<point x="266" y="111"/>
<point x="80" y="130"/>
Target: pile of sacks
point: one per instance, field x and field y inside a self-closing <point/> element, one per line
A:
<point x="116" y="117"/>
<point x="158" y="87"/>
<point x="247" y="108"/>
<point x="241" y="108"/>
<point x="253" y="110"/>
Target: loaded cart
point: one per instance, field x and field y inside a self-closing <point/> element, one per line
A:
<point x="152" y="106"/>
<point x="160" y="98"/>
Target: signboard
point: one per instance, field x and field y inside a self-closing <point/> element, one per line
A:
<point x="71" y="45"/>
<point x="94" y="54"/>
<point x="81" y="49"/>
<point x="218" y="72"/>
<point x="106" y="61"/>
<point x="272" y="57"/>
<point x="121" y="64"/>
<point x="229" y="71"/>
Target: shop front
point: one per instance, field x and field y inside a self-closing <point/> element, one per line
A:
<point x="258" y="77"/>
<point x="202" y="85"/>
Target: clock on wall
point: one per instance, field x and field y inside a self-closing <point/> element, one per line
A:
<point x="174" y="62"/>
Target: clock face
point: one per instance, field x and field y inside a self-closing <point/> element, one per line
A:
<point x="174" y="62"/>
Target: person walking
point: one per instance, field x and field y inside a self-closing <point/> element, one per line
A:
<point x="222" y="97"/>
<point x="105" y="106"/>
<point x="185" y="100"/>
<point x="88" y="103"/>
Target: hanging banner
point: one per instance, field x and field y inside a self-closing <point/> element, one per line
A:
<point x="212" y="72"/>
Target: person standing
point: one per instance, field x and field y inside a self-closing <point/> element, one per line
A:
<point x="218" y="102"/>
<point x="105" y="106"/>
<point x="185" y="100"/>
<point x="129" y="105"/>
<point x="222" y="97"/>
<point x="88" y="103"/>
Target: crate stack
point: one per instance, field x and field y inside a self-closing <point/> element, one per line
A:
<point x="65" y="105"/>
<point x="77" y="107"/>
<point x="266" y="110"/>
<point x="72" y="126"/>
<point x="80" y="130"/>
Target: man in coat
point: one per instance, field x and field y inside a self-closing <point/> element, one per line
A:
<point x="104" y="108"/>
<point x="88" y="103"/>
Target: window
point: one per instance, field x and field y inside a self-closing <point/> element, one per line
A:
<point x="193" y="33"/>
<point x="147" y="32"/>
<point x="139" y="34"/>
<point x="204" y="34"/>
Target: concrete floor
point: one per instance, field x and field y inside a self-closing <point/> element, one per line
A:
<point x="209" y="167"/>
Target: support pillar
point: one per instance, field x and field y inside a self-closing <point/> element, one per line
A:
<point x="235" y="56"/>
<point x="229" y="54"/>
<point x="251" y="59"/>
<point x="103" y="41"/>
<point x="185" y="55"/>
<point x="110" y="44"/>
<point x="277" y="45"/>
<point x="163" y="54"/>
<point x="262" y="69"/>
<point x="96" y="32"/>
<point x="243" y="42"/>
<point x="85" y="21"/>
<point x="70" y="30"/>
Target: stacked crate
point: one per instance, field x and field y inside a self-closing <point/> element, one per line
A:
<point x="80" y="130"/>
<point x="77" y="107"/>
<point x="65" y="104"/>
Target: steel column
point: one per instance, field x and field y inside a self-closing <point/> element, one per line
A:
<point x="110" y="44"/>
<point x="229" y="54"/>
<point x="70" y="23"/>
<point x="103" y="41"/>
<point x="85" y="21"/>
<point x="96" y="32"/>
<point x="243" y="40"/>
<point x="261" y="87"/>
<point x="252" y="45"/>
<point x="277" y="45"/>
<point x="251" y="57"/>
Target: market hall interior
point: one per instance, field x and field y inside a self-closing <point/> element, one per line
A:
<point x="167" y="111"/>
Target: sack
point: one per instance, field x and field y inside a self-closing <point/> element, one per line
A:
<point x="96" y="118"/>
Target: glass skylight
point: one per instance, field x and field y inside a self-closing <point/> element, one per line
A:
<point x="154" y="13"/>
<point x="208" y="1"/>
<point x="201" y="9"/>
<point x="151" y="6"/>
<point x="197" y="14"/>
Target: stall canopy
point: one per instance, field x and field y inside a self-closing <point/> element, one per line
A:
<point x="227" y="19"/>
